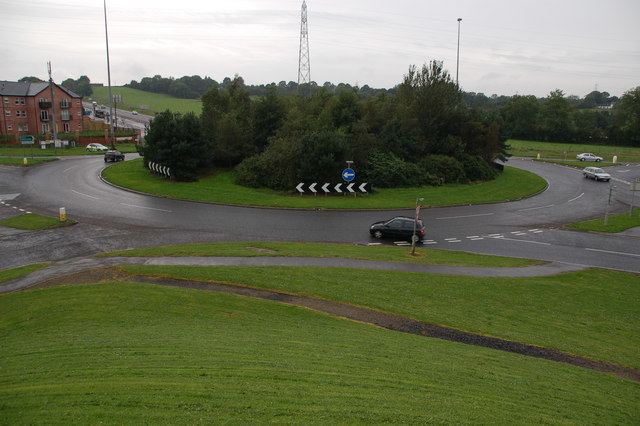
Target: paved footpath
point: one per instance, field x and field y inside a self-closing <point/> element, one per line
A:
<point x="74" y="266"/>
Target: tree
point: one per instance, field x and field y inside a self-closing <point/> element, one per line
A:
<point x="557" y="117"/>
<point x="268" y="116"/>
<point x="626" y="118"/>
<point x="522" y="117"/>
<point x="30" y="79"/>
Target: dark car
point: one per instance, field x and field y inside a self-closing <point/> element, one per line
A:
<point x="113" y="156"/>
<point x="400" y="228"/>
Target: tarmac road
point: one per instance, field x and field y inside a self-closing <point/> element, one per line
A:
<point x="111" y="218"/>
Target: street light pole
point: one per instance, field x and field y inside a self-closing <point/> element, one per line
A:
<point x="414" y="237"/>
<point x="106" y="36"/>
<point x="458" y="54"/>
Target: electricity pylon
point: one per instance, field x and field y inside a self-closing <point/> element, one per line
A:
<point x="304" y="64"/>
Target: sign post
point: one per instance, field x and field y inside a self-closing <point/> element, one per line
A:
<point x="414" y="237"/>
<point x="635" y="186"/>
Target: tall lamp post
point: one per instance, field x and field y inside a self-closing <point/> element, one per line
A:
<point x="106" y="36"/>
<point x="458" y="54"/>
<point x="414" y="237"/>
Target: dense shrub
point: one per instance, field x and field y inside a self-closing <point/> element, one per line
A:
<point x="446" y="168"/>
<point x="476" y="168"/>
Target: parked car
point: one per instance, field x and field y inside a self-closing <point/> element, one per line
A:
<point x="134" y="112"/>
<point x="398" y="228"/>
<point x="113" y="156"/>
<point x="95" y="147"/>
<point x="596" y="173"/>
<point x="587" y="156"/>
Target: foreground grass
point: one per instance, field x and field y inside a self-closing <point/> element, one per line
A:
<point x="19" y="272"/>
<point x="568" y="151"/>
<point x="221" y="188"/>
<point x="615" y="223"/>
<point x="592" y="313"/>
<point x="139" y="354"/>
<point x="19" y="161"/>
<point x="282" y="249"/>
<point x="33" y="222"/>
<point x="14" y="150"/>
<point x="135" y="100"/>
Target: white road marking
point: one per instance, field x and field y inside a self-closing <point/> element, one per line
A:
<point x="85" y="195"/>
<point x="519" y="234"/>
<point x="147" y="208"/>
<point x="614" y="252"/>
<point x="473" y="236"/>
<point x="573" y="199"/>
<point x="624" y="171"/>
<point x="534" y="230"/>
<point x="536" y="208"/>
<point x="477" y="239"/>
<point x="21" y="210"/>
<point x="454" y="241"/>
<point x="66" y="170"/>
<point x="537" y="232"/>
<point x="620" y="180"/>
<point x="429" y="242"/>
<point x="402" y="244"/>
<point x="14" y="207"/>
<point x="494" y="235"/>
<point x="462" y="217"/>
<point x="526" y="241"/>
<point x="7" y="197"/>
<point x="450" y="239"/>
<point x="28" y="212"/>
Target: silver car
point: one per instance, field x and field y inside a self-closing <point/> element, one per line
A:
<point x="587" y="156"/>
<point x="596" y="173"/>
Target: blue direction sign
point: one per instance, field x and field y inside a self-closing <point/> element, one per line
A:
<point x="348" y="175"/>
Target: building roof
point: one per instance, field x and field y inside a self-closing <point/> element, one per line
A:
<point x="12" y="88"/>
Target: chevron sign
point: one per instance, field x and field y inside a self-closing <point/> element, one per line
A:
<point x="330" y="188"/>
<point x="158" y="169"/>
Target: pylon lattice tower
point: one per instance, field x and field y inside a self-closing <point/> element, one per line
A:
<point x="304" y="63"/>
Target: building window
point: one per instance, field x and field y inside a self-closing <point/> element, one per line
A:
<point x="21" y="101"/>
<point x="45" y="127"/>
<point x="23" y="127"/>
<point x="6" y="100"/>
<point x="7" y="113"/>
<point x="65" y="127"/>
<point x="44" y="114"/>
<point x="21" y="113"/>
<point x="64" y="103"/>
<point x="65" y="115"/>
<point x="9" y="126"/>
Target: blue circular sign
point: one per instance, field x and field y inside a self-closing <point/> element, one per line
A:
<point x="348" y="175"/>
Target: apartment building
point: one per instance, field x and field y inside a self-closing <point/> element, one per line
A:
<point x="28" y="109"/>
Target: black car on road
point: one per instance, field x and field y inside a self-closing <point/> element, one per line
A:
<point x="113" y="156"/>
<point x="400" y="228"/>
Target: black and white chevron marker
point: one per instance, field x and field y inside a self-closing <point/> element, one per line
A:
<point x="157" y="168"/>
<point x="328" y="188"/>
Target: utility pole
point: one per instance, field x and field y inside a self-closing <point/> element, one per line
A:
<point x="458" y="54"/>
<point x="106" y="36"/>
<point x="53" y="105"/>
<point x="304" y="62"/>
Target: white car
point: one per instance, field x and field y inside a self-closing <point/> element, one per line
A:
<point x="587" y="156"/>
<point x="96" y="147"/>
<point x="134" y="112"/>
<point x="596" y="173"/>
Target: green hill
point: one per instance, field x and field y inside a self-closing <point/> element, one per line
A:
<point x="146" y="102"/>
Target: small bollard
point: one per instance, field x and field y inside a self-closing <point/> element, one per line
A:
<point x="538" y="156"/>
<point x="62" y="215"/>
<point x="615" y="159"/>
<point x="24" y="161"/>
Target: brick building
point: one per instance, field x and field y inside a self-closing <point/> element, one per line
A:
<point x="26" y="109"/>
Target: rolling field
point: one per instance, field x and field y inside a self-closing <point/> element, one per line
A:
<point x="120" y="353"/>
<point x="133" y="99"/>
<point x="568" y="151"/>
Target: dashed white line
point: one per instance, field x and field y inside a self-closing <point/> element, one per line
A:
<point x="624" y="171"/>
<point x="462" y="217"/>
<point x="66" y="170"/>
<point x="536" y="208"/>
<point x="526" y="241"/>
<point x="473" y="236"/>
<point x="537" y="232"/>
<point x="146" y="208"/>
<point x="614" y="252"/>
<point x="85" y="195"/>
<point x="21" y="210"/>
<point x="573" y="199"/>
<point x="494" y="235"/>
<point x="477" y="239"/>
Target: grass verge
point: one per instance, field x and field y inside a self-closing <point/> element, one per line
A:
<point x="221" y="188"/>
<point x="615" y="223"/>
<point x="58" y="152"/>
<point x="283" y="249"/>
<point x="20" y="271"/>
<point x="592" y="313"/>
<point x="133" y="353"/>
<point x="19" y="161"/>
<point x="147" y="102"/>
<point x="568" y="151"/>
<point x="33" y="222"/>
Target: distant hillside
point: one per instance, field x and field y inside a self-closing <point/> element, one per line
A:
<point x="146" y="102"/>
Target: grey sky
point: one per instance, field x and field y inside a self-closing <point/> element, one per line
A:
<point x="507" y="47"/>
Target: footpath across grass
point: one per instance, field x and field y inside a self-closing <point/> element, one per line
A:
<point x="220" y="188"/>
<point x="592" y="313"/>
<point x="33" y="222"/>
<point x="568" y="151"/>
<point x="328" y="250"/>
<point x="615" y="223"/>
<point x="20" y="271"/>
<point x="140" y="354"/>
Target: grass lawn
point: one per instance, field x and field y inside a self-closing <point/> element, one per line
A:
<point x="220" y="188"/>
<point x="380" y="253"/>
<point x="592" y="313"/>
<point x="134" y="100"/>
<point x="19" y="272"/>
<point x="19" y="161"/>
<point x="615" y="223"/>
<point x="16" y="150"/>
<point x="34" y="222"/>
<point x="139" y="354"/>
<point x="521" y="148"/>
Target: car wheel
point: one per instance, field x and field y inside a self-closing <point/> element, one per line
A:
<point x="598" y="160"/>
<point x="105" y="160"/>
<point x="582" y="159"/>
<point x="377" y="234"/>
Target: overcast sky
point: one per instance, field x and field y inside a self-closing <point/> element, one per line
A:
<point x="507" y="46"/>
